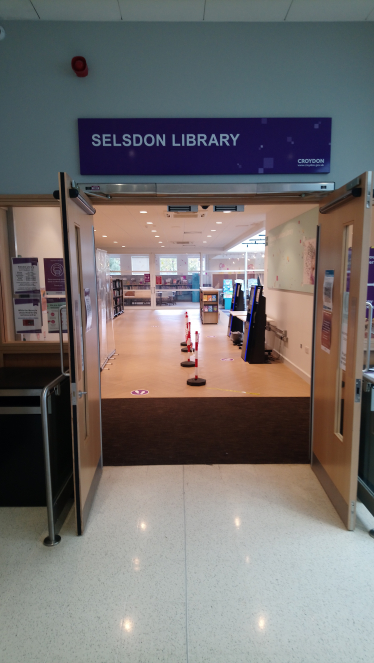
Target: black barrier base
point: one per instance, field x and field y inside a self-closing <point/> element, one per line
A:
<point x="183" y="343"/>
<point x="186" y="349"/>
<point x="188" y="364"/>
<point x="196" y="382"/>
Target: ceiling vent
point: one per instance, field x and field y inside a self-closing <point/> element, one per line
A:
<point x="180" y="209"/>
<point x="228" y="208"/>
<point x="184" y="243"/>
<point x="185" y="215"/>
<point x="192" y="232"/>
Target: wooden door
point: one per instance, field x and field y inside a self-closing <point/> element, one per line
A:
<point x="344" y="236"/>
<point x="83" y="329"/>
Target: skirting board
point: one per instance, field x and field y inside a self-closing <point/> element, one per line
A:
<point x="173" y="431"/>
<point x="330" y="489"/>
<point x="295" y="369"/>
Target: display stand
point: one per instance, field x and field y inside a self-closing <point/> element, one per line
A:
<point x="117" y="296"/>
<point x="209" y="305"/>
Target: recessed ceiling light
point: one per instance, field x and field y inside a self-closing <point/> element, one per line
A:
<point x="214" y="230"/>
<point x="105" y="235"/>
<point x="218" y="222"/>
<point x="143" y="211"/>
<point x="204" y="242"/>
<point x="115" y="242"/>
<point x="149" y="223"/>
<point x="94" y="231"/>
<point x="209" y="235"/>
<point x="227" y="211"/>
<point x="163" y="246"/>
<point x="153" y="231"/>
<point x="123" y="246"/>
<point x="160" y="242"/>
<point x="157" y="235"/>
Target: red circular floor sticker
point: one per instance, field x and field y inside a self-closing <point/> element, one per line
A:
<point x="227" y="359"/>
<point x="140" y="392"/>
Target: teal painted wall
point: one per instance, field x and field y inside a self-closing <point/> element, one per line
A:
<point x="178" y="70"/>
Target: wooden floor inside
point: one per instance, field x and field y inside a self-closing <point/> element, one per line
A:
<point x="245" y="414"/>
<point x="149" y="357"/>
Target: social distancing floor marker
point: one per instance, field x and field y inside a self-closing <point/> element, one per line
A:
<point x="235" y="391"/>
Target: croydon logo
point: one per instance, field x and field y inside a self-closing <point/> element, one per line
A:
<point x="310" y="162"/>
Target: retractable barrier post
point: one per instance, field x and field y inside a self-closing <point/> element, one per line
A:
<point x="188" y="363"/>
<point x="185" y="329"/>
<point x="196" y="381"/>
<point x="188" y="333"/>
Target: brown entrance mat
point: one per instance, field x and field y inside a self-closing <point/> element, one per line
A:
<point x="176" y="431"/>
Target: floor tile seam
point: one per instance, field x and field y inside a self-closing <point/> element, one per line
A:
<point x="185" y="563"/>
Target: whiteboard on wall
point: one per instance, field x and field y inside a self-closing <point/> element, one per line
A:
<point x="291" y="253"/>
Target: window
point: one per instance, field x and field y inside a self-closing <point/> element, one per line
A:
<point x="115" y="264"/>
<point x="168" y="265"/>
<point x="193" y="265"/>
<point x="140" y="264"/>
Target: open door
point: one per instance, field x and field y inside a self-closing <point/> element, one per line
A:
<point x="343" y="256"/>
<point x="81" y="302"/>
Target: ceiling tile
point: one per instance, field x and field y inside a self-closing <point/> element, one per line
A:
<point x="330" y="10"/>
<point x="162" y="10"/>
<point x="13" y="10"/>
<point x="246" y="10"/>
<point x="78" y="10"/>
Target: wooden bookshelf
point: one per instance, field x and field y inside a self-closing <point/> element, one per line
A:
<point x="209" y="305"/>
<point x="117" y="288"/>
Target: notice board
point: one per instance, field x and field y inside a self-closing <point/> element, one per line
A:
<point x="292" y="253"/>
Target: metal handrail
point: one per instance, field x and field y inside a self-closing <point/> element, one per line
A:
<point x="370" y="307"/>
<point x="53" y="539"/>
<point x="66" y="373"/>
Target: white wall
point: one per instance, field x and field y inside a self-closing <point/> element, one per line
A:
<point x="179" y="70"/>
<point x="292" y="311"/>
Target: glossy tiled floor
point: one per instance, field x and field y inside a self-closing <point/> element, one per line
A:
<point x="194" y="564"/>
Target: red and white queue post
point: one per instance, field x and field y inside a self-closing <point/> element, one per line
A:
<point x="196" y="381"/>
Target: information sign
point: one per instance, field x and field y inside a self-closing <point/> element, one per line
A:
<point x="27" y="316"/>
<point x="25" y="272"/>
<point x="204" y="146"/>
<point x="54" y="276"/>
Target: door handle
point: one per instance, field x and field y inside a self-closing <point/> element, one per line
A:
<point x="81" y="393"/>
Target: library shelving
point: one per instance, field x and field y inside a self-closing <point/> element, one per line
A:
<point x="117" y="287"/>
<point x="209" y="305"/>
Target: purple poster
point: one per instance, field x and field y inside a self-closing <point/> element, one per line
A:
<point x="147" y="278"/>
<point x="209" y="146"/>
<point x="54" y="276"/>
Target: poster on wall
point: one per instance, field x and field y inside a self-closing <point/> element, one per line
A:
<point x="53" y="306"/>
<point x="291" y="253"/>
<point x="25" y="272"/>
<point x="27" y="316"/>
<point x="328" y="287"/>
<point x="54" y="277"/>
<point x="147" y="278"/>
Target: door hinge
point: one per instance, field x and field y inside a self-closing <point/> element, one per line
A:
<point x="358" y="392"/>
<point x="73" y="393"/>
<point x="353" y="508"/>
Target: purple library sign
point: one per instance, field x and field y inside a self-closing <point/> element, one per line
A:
<point x="218" y="146"/>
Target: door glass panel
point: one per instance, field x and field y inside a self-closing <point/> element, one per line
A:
<point x="347" y="247"/>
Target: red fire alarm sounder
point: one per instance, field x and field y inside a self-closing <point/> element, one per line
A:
<point x="79" y="66"/>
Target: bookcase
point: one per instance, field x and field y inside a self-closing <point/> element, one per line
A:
<point x="117" y="287"/>
<point x="209" y="305"/>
